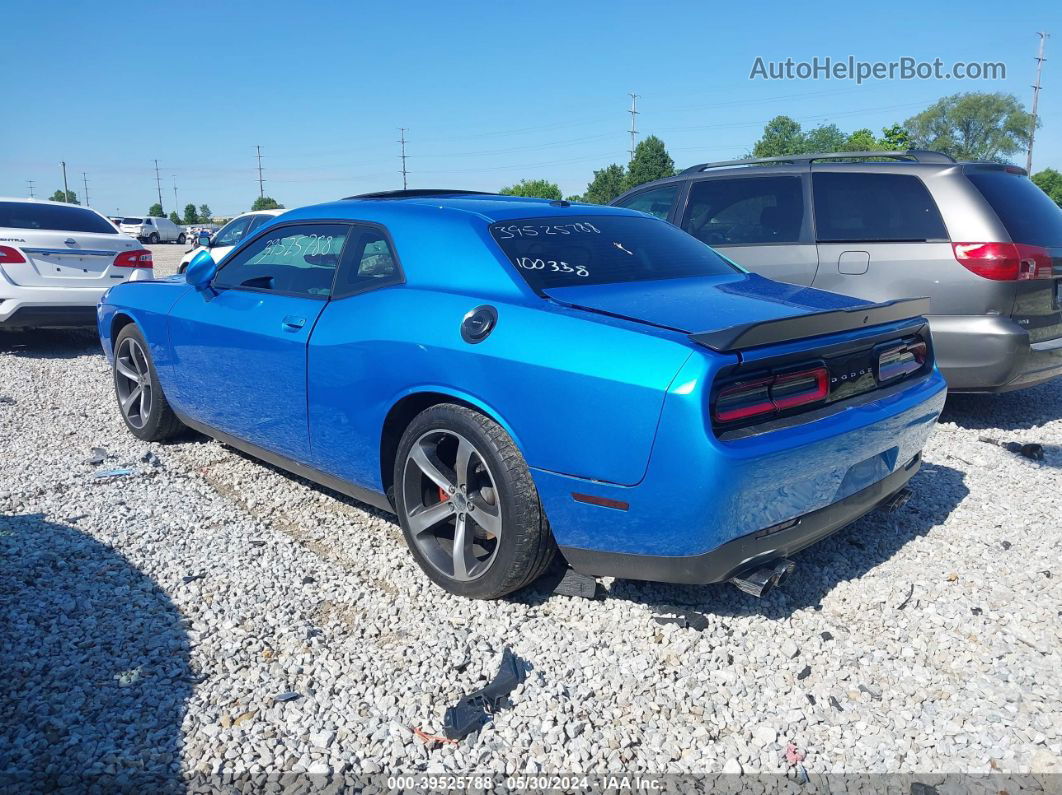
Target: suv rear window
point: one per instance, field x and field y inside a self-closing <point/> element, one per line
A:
<point x="1026" y="211"/>
<point x="602" y="249"/>
<point x="757" y="210"/>
<point x="868" y="208"/>
<point x="134" y="221"/>
<point x="28" y="215"/>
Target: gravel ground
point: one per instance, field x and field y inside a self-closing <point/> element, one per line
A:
<point x="148" y="623"/>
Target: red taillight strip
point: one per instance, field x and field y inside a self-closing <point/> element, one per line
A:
<point x="764" y="406"/>
<point x="772" y="404"/>
<point x="821" y="390"/>
<point x="10" y="256"/>
<point x="137" y="258"/>
<point x="1005" y="262"/>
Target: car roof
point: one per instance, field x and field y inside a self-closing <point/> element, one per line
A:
<point x="489" y="207"/>
<point x="25" y="200"/>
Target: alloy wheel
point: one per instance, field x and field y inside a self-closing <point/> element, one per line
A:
<point x="452" y="505"/>
<point x="132" y="380"/>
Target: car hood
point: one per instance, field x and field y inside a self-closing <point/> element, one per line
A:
<point x="702" y="304"/>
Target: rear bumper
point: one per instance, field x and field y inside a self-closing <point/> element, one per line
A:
<point x="748" y="551"/>
<point x="56" y="307"/>
<point x="991" y="354"/>
<point x="48" y="317"/>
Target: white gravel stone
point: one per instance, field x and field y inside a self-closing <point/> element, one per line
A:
<point x="120" y="663"/>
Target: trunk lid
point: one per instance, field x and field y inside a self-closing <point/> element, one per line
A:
<point x="66" y="259"/>
<point x="703" y="304"/>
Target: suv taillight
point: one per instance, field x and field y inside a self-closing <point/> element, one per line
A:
<point x="771" y="394"/>
<point x="137" y="258"/>
<point x="1004" y="262"/>
<point x="10" y="256"/>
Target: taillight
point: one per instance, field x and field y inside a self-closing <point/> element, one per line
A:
<point x="900" y="361"/>
<point x="10" y="256"/>
<point x="1004" y="262"/>
<point x="771" y="394"/>
<point x="137" y="258"/>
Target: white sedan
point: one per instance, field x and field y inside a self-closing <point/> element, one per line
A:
<point x="57" y="259"/>
<point x="223" y="241"/>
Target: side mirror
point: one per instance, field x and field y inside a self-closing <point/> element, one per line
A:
<point x="201" y="270"/>
<point x="204" y="239"/>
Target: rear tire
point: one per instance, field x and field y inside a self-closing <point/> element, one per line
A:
<point x="181" y="239"/>
<point x="141" y="401"/>
<point x="153" y="237"/>
<point x="457" y="468"/>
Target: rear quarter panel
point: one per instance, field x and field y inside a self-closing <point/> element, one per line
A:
<point x="579" y="395"/>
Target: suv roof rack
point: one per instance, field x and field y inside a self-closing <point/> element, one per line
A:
<point x="412" y="193"/>
<point x="916" y="155"/>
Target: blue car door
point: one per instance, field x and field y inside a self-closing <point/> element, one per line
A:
<point x="239" y="347"/>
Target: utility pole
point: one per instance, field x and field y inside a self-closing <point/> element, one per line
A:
<point x="158" y="183"/>
<point x="66" y="189"/>
<point x="84" y="179"/>
<point x="402" y="141"/>
<point x="261" y="188"/>
<point x="30" y="183"/>
<point x="1036" y="96"/>
<point x="176" y="204"/>
<point x="634" y="122"/>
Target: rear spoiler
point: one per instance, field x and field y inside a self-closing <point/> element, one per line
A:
<point x="768" y="332"/>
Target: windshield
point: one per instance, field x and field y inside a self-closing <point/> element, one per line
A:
<point x="29" y="215"/>
<point x="603" y="249"/>
<point x="134" y="221"/>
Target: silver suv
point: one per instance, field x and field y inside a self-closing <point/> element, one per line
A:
<point x="979" y="239"/>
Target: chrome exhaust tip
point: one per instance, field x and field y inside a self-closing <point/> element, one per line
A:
<point x="760" y="582"/>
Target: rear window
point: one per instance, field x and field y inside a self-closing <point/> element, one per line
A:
<point x="746" y="210"/>
<point x="570" y="251"/>
<point x="134" y="221"/>
<point x="1026" y="211"/>
<point x="872" y="208"/>
<point x="27" y="215"/>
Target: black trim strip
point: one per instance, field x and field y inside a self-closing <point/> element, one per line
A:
<point x="368" y="496"/>
<point x="768" y="332"/>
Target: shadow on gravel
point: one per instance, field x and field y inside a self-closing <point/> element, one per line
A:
<point x="846" y="555"/>
<point x="1011" y="411"/>
<point x="95" y="666"/>
<point x="51" y="343"/>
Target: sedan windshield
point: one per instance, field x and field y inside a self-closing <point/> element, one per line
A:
<point x="603" y="249"/>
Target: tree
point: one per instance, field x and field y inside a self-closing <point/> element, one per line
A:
<point x="861" y="141"/>
<point x="974" y="126"/>
<point x="174" y="217"/>
<point x="190" y="215"/>
<point x="608" y="183"/>
<point x="781" y="136"/>
<point x="533" y="188"/>
<point x="825" y="138"/>
<point x="69" y="198"/>
<point x="895" y="138"/>
<point x="651" y="161"/>
<point x="204" y="214"/>
<point x="266" y="203"/>
<point x="155" y="211"/>
<point x="1050" y="182"/>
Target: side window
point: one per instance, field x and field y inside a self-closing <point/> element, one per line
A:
<point x="747" y="210"/>
<point x="297" y="260"/>
<point x="656" y="201"/>
<point x="875" y="207"/>
<point x="369" y="262"/>
<point x="257" y="221"/>
<point x="233" y="231"/>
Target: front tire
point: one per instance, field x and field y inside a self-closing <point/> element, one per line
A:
<point x="181" y="239"/>
<point x="145" y="410"/>
<point x="467" y="504"/>
<point x="153" y="237"/>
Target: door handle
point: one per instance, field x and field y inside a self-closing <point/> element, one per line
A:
<point x="293" y="323"/>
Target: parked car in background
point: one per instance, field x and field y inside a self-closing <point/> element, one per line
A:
<point x="515" y="375"/>
<point x="57" y="259"/>
<point x="979" y="239"/>
<point x="221" y="243"/>
<point x="153" y="230"/>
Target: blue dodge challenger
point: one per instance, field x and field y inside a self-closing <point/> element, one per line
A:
<point x="521" y="378"/>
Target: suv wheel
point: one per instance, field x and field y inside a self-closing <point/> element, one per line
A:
<point x="181" y="239"/>
<point x="468" y="507"/>
<point x="153" y="237"/>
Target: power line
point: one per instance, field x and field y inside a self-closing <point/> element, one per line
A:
<point x="261" y="182"/>
<point x="1036" y="96"/>
<point x="30" y="183"/>
<point x="402" y="141"/>
<point x="634" y="122"/>
<point x="84" y="180"/>
<point x="158" y="184"/>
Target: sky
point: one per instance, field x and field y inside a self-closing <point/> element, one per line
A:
<point x="490" y="92"/>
